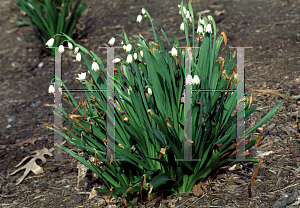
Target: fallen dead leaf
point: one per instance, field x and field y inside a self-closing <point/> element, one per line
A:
<point x="255" y="174"/>
<point x="31" y="165"/>
<point x="82" y="169"/>
<point x="197" y="190"/>
<point x="93" y="194"/>
<point x="219" y="12"/>
<point x="260" y="137"/>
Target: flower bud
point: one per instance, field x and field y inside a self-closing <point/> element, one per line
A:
<point x="182" y="26"/>
<point x="78" y="57"/>
<point x="76" y="50"/>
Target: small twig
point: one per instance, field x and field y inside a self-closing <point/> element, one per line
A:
<point x="198" y="199"/>
<point x="7" y="196"/>
<point x="285" y="188"/>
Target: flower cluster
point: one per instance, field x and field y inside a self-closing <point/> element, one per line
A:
<point x="140" y="17"/>
<point x="186" y="13"/>
<point x="191" y="80"/>
<point x="51" y="89"/>
<point x="204" y="26"/>
<point x="61" y="48"/>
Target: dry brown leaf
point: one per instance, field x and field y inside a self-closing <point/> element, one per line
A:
<point x="93" y="194"/>
<point x="31" y="165"/>
<point x="197" y="190"/>
<point x="219" y="12"/>
<point x="255" y="174"/>
<point x="260" y="137"/>
<point x="167" y="121"/>
<point x="82" y="169"/>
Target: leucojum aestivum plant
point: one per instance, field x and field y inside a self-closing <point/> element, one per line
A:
<point x="49" y="17"/>
<point x="149" y="121"/>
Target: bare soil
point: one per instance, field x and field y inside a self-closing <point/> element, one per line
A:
<point x="271" y="27"/>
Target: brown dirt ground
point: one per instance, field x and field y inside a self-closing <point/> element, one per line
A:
<point x="271" y="27"/>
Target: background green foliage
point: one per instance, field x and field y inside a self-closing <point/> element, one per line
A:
<point x="50" y="17"/>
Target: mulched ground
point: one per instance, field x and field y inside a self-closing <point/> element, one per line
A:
<point x="271" y="27"/>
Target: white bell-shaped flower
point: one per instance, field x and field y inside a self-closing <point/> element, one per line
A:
<point x="50" y="42"/>
<point x="189" y="80"/>
<point x="95" y="66"/>
<point x="174" y="52"/>
<point x="81" y="77"/>
<point x="61" y="49"/>
<point x="70" y="46"/>
<point x="112" y="41"/>
<point x="129" y="58"/>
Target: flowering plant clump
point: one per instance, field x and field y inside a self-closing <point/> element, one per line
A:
<point x="150" y="133"/>
<point x="50" y="17"/>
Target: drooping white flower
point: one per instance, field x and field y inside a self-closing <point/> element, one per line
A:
<point x="129" y="58"/>
<point x="50" y="42"/>
<point x="149" y="91"/>
<point x="142" y="53"/>
<point x="183" y="8"/>
<point x="191" y="19"/>
<point x="70" y="45"/>
<point x="210" y="17"/>
<point x="95" y="66"/>
<point x="61" y="49"/>
<point x="128" y="48"/>
<point x="174" y="52"/>
<point x="116" y="60"/>
<point x="135" y="56"/>
<point x="202" y="21"/>
<point x="189" y="80"/>
<point x="139" y="18"/>
<point x="208" y="28"/>
<point x="143" y="11"/>
<point x="188" y="14"/>
<point x="81" y="76"/>
<point x="182" y="26"/>
<point x="51" y="89"/>
<point x="124" y="46"/>
<point x="76" y="50"/>
<point x="196" y="80"/>
<point x="112" y="41"/>
<point x="122" y="43"/>
<point x="78" y="57"/>
<point x="200" y="29"/>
